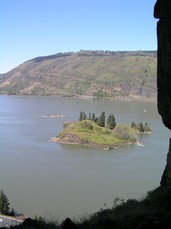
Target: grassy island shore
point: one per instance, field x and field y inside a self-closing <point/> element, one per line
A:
<point x="89" y="133"/>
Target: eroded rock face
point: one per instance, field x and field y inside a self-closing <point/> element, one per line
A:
<point x="162" y="11"/>
<point x="166" y="177"/>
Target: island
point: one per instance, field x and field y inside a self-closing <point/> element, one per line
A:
<point x="95" y="132"/>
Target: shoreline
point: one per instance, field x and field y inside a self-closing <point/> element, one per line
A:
<point x="84" y="142"/>
<point x="132" y="98"/>
<point x="93" y="145"/>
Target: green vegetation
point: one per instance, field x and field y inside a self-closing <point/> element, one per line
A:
<point x="99" y="74"/>
<point x="88" y="132"/>
<point x="97" y="132"/>
<point x="111" y="123"/>
<point x="83" y="116"/>
<point x="154" y="211"/>
<point x="101" y="120"/>
<point x="142" y="128"/>
<point x="5" y="205"/>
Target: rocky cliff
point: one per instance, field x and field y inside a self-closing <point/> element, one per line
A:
<point x="162" y="11"/>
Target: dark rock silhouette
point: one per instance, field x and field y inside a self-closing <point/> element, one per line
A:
<point x="166" y="177"/>
<point x="162" y="11"/>
<point x="67" y="224"/>
<point x="34" y="224"/>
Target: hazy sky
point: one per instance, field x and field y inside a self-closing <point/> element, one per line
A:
<point x="31" y="28"/>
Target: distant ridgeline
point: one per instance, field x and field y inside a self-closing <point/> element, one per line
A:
<point x="97" y="132"/>
<point x="97" y="74"/>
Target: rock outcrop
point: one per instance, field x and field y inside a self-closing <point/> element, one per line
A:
<point x="67" y="224"/>
<point x="162" y="11"/>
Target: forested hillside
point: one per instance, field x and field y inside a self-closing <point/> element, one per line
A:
<point x="89" y="73"/>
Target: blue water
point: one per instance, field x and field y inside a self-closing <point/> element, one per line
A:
<point x="45" y="178"/>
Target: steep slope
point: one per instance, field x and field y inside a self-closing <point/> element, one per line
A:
<point x="89" y="73"/>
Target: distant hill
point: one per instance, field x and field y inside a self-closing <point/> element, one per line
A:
<point x="89" y="73"/>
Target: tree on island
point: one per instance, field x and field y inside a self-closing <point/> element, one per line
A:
<point x="133" y="125"/>
<point x="142" y="128"/>
<point x="89" y="117"/>
<point x="147" y="128"/>
<point x="5" y="205"/>
<point x="111" y="122"/>
<point x="82" y="116"/>
<point x="94" y="117"/>
<point x="101" y="119"/>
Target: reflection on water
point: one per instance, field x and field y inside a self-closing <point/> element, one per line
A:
<point x="41" y="177"/>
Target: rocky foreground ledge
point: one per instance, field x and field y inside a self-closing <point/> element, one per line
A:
<point x="7" y="221"/>
<point x="151" y="212"/>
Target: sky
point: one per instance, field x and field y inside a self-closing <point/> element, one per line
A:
<point x="32" y="28"/>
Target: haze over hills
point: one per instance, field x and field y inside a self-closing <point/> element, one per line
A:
<point x="85" y="73"/>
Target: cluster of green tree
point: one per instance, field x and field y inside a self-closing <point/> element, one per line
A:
<point x="5" y="205"/>
<point x="142" y="128"/>
<point x="101" y="120"/>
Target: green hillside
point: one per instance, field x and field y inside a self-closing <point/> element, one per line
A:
<point x="88" y="73"/>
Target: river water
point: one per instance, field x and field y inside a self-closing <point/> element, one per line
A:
<point x="44" y="178"/>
